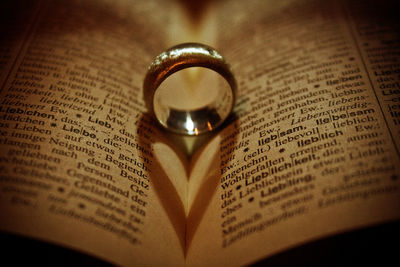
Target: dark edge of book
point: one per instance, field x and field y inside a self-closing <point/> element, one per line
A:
<point x="377" y="245"/>
<point x="22" y="251"/>
<point x="371" y="246"/>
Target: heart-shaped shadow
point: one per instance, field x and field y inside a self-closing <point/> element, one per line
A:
<point x="185" y="172"/>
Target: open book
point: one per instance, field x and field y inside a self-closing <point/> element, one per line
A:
<point x="311" y="151"/>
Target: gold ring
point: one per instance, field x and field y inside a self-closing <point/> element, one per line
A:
<point x="189" y="121"/>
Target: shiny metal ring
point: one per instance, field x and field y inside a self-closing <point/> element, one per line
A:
<point x="196" y="121"/>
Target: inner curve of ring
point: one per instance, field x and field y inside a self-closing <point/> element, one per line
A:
<point x="196" y="120"/>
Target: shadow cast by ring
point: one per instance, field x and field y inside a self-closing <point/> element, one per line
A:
<point x="184" y="221"/>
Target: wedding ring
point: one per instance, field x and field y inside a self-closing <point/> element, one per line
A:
<point x="189" y="121"/>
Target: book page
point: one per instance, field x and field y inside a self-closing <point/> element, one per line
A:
<point x="76" y="158"/>
<point x="314" y="150"/>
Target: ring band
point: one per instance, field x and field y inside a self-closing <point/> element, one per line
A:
<point x="183" y="121"/>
